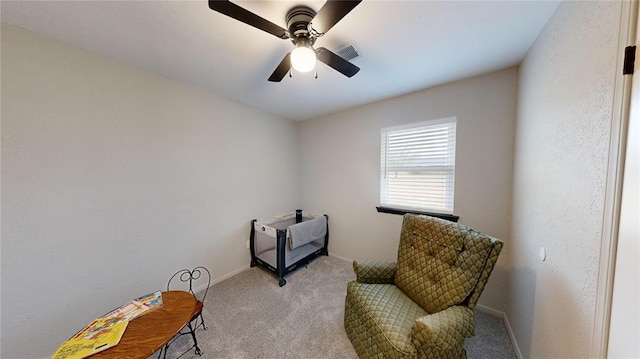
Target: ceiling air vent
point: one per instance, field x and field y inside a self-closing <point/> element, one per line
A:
<point x="348" y="51"/>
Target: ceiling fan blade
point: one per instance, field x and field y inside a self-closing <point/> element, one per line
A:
<point x="241" y="14"/>
<point x="282" y="69"/>
<point x="332" y="12"/>
<point x="336" y="62"/>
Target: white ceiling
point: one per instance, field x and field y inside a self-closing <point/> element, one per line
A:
<point x="404" y="45"/>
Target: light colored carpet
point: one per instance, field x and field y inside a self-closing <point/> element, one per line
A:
<point x="250" y="316"/>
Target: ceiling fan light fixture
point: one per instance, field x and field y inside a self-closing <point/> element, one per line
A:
<point x="303" y="59"/>
<point x="301" y="32"/>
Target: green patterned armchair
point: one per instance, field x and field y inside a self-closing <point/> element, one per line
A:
<point x="422" y="305"/>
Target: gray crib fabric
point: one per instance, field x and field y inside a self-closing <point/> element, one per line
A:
<point x="307" y="231"/>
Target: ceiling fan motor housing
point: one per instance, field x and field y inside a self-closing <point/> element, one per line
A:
<point x="298" y="20"/>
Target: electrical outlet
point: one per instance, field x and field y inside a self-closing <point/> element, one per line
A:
<point x="247" y="244"/>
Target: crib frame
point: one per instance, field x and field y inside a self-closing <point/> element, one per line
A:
<point x="281" y="269"/>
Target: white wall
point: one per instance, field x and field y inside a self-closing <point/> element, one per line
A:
<point x="113" y="178"/>
<point x="340" y="166"/>
<point x="562" y="138"/>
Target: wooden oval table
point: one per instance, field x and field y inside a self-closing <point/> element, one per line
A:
<point x="149" y="333"/>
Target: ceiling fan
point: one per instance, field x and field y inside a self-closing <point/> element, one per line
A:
<point x="304" y="27"/>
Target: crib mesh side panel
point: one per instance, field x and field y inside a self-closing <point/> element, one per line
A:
<point x="292" y="256"/>
<point x="265" y="248"/>
<point x="283" y="224"/>
<point x="265" y="245"/>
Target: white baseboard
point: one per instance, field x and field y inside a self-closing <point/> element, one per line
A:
<point x="505" y="319"/>
<point x="340" y="257"/>
<point x="491" y="311"/>
<point x="230" y="274"/>
<point x="221" y="278"/>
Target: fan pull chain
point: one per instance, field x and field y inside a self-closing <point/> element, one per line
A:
<point x="290" y="74"/>
<point x="316" y="74"/>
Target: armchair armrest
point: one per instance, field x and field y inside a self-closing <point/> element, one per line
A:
<point x="374" y="272"/>
<point x="443" y="332"/>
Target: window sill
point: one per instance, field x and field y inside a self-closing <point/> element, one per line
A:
<point x="402" y="212"/>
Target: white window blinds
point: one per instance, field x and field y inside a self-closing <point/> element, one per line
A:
<point x="418" y="166"/>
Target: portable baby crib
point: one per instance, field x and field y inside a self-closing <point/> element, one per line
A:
<point x="282" y="243"/>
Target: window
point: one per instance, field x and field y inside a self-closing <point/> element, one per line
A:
<point x="418" y="166"/>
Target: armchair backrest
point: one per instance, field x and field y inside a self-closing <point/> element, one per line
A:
<point x="442" y="263"/>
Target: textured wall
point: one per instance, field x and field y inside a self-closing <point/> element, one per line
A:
<point x="564" y="116"/>
<point x="114" y="178"/>
<point x="340" y="166"/>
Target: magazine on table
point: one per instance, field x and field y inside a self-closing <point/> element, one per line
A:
<point x="105" y="332"/>
<point x="137" y="307"/>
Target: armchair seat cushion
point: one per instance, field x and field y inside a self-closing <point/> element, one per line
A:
<point x="388" y="313"/>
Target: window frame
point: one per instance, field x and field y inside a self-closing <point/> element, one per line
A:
<point x="443" y="212"/>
